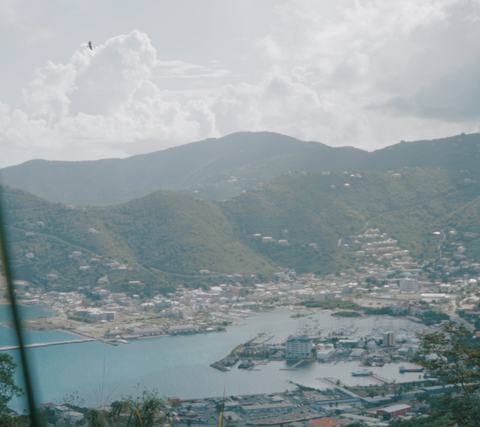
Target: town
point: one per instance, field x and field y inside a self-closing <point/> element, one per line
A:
<point x="335" y="405"/>
<point x="387" y="284"/>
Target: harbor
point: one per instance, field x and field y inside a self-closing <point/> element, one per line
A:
<point x="64" y="369"/>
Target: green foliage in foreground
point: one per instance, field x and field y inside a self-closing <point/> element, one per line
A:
<point x="456" y="362"/>
<point x="423" y="422"/>
<point x="8" y="390"/>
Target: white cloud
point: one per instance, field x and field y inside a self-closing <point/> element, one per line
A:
<point x="99" y="101"/>
<point x="8" y="9"/>
<point x="373" y="62"/>
<point x="364" y="73"/>
<point x="181" y="69"/>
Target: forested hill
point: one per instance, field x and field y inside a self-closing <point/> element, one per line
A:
<point x="166" y="238"/>
<point x="218" y="169"/>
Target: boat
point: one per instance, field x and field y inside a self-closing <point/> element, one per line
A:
<point x="246" y="365"/>
<point x="403" y="369"/>
<point x="363" y="373"/>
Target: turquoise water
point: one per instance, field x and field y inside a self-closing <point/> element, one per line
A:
<point x="9" y="338"/>
<point x="178" y="366"/>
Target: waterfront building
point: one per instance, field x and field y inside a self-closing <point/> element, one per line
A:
<point x="267" y="407"/>
<point x="324" y="351"/>
<point x="357" y="353"/>
<point x="389" y="339"/>
<point x="182" y="329"/>
<point x="298" y="348"/>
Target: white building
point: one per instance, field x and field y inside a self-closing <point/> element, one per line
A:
<point x="389" y="339"/>
<point x="297" y="348"/>
<point x="324" y="351"/>
<point x="409" y="285"/>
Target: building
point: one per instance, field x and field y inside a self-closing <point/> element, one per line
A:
<point x="389" y="339"/>
<point x="394" y="410"/>
<point x="182" y="329"/>
<point x="325" y="422"/>
<point x="267" y="407"/>
<point x="351" y="342"/>
<point x="369" y="421"/>
<point x="357" y="353"/>
<point x="335" y="409"/>
<point x="409" y="285"/>
<point x="324" y="351"/>
<point x="100" y="315"/>
<point x="328" y="405"/>
<point x="298" y="348"/>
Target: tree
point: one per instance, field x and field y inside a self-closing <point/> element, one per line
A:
<point x="451" y="355"/>
<point x="145" y="408"/>
<point x="8" y="389"/>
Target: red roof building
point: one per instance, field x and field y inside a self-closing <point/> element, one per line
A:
<point x="395" y="410"/>
<point x="325" y="422"/>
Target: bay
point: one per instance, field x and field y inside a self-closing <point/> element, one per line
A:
<point x="179" y="366"/>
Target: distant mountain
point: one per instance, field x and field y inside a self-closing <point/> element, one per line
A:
<point x="205" y="166"/>
<point x="218" y="169"/>
<point x="166" y="238"/>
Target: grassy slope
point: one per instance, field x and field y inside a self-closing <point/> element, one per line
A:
<point x="312" y="211"/>
<point x="166" y="237"/>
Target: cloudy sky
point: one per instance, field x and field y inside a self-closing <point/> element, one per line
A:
<point x="365" y="73"/>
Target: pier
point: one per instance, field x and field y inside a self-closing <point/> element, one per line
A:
<point x="219" y="367"/>
<point x="47" y="344"/>
<point x="294" y="366"/>
<point x="379" y="379"/>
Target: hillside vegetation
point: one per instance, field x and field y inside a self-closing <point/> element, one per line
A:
<point x="166" y="238"/>
<point x="219" y="169"/>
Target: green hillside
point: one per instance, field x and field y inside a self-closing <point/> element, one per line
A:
<point x="219" y="169"/>
<point x="321" y="209"/>
<point x="166" y="238"/>
<point x="202" y="168"/>
<point x="162" y="239"/>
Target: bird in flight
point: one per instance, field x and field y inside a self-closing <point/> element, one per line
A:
<point x="90" y="45"/>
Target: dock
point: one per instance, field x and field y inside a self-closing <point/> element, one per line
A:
<point x="219" y="367"/>
<point x="252" y="368"/>
<point x="294" y="366"/>
<point x="47" y="344"/>
<point x="379" y="379"/>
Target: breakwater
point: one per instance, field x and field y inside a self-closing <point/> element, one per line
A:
<point x="46" y="344"/>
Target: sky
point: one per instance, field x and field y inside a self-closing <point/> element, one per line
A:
<point x="162" y="73"/>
